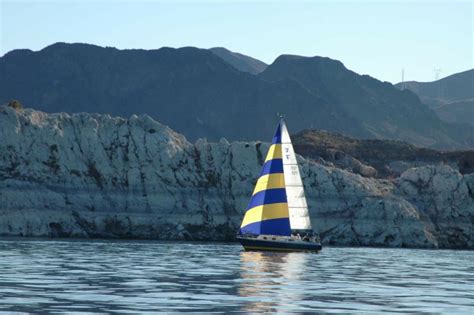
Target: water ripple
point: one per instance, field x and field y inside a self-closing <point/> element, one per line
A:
<point x="130" y="276"/>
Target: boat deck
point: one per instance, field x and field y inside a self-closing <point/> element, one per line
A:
<point x="278" y="243"/>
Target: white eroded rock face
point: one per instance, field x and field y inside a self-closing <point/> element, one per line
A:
<point x="88" y="175"/>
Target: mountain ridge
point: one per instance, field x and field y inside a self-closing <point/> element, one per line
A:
<point x="455" y="87"/>
<point x="201" y="95"/>
<point x="375" y="103"/>
<point x="240" y="61"/>
<point x="451" y="98"/>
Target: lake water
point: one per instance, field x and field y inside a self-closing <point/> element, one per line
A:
<point x="140" y="277"/>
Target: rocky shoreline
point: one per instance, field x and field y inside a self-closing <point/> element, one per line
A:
<point x="97" y="176"/>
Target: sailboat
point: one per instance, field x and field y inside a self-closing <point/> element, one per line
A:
<point x="277" y="216"/>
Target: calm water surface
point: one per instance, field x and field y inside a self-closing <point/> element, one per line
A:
<point x="139" y="277"/>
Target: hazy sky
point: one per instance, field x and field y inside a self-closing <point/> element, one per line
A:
<point x="378" y="38"/>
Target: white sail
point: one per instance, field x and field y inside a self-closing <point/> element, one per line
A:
<point x="297" y="206"/>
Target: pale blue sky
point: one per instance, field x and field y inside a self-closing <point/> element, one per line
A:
<point x="378" y="38"/>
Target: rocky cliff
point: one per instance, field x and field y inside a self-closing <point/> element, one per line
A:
<point x="89" y="175"/>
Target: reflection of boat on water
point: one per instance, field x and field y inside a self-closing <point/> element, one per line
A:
<point x="277" y="216"/>
<point x="268" y="279"/>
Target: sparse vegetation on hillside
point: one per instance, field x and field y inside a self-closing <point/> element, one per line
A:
<point x="15" y="104"/>
<point x="388" y="157"/>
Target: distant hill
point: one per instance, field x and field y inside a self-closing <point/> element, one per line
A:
<point x="239" y="61"/>
<point x="452" y="98"/>
<point x="457" y="112"/>
<point x="202" y="95"/>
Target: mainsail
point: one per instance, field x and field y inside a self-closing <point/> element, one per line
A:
<point x="297" y="206"/>
<point x="278" y="204"/>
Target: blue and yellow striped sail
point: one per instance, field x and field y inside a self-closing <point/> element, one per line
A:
<point x="267" y="212"/>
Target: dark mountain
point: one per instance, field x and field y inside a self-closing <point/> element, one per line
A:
<point x="452" y="98"/>
<point x="239" y="61"/>
<point x="192" y="90"/>
<point x="200" y="95"/>
<point x="382" y="110"/>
